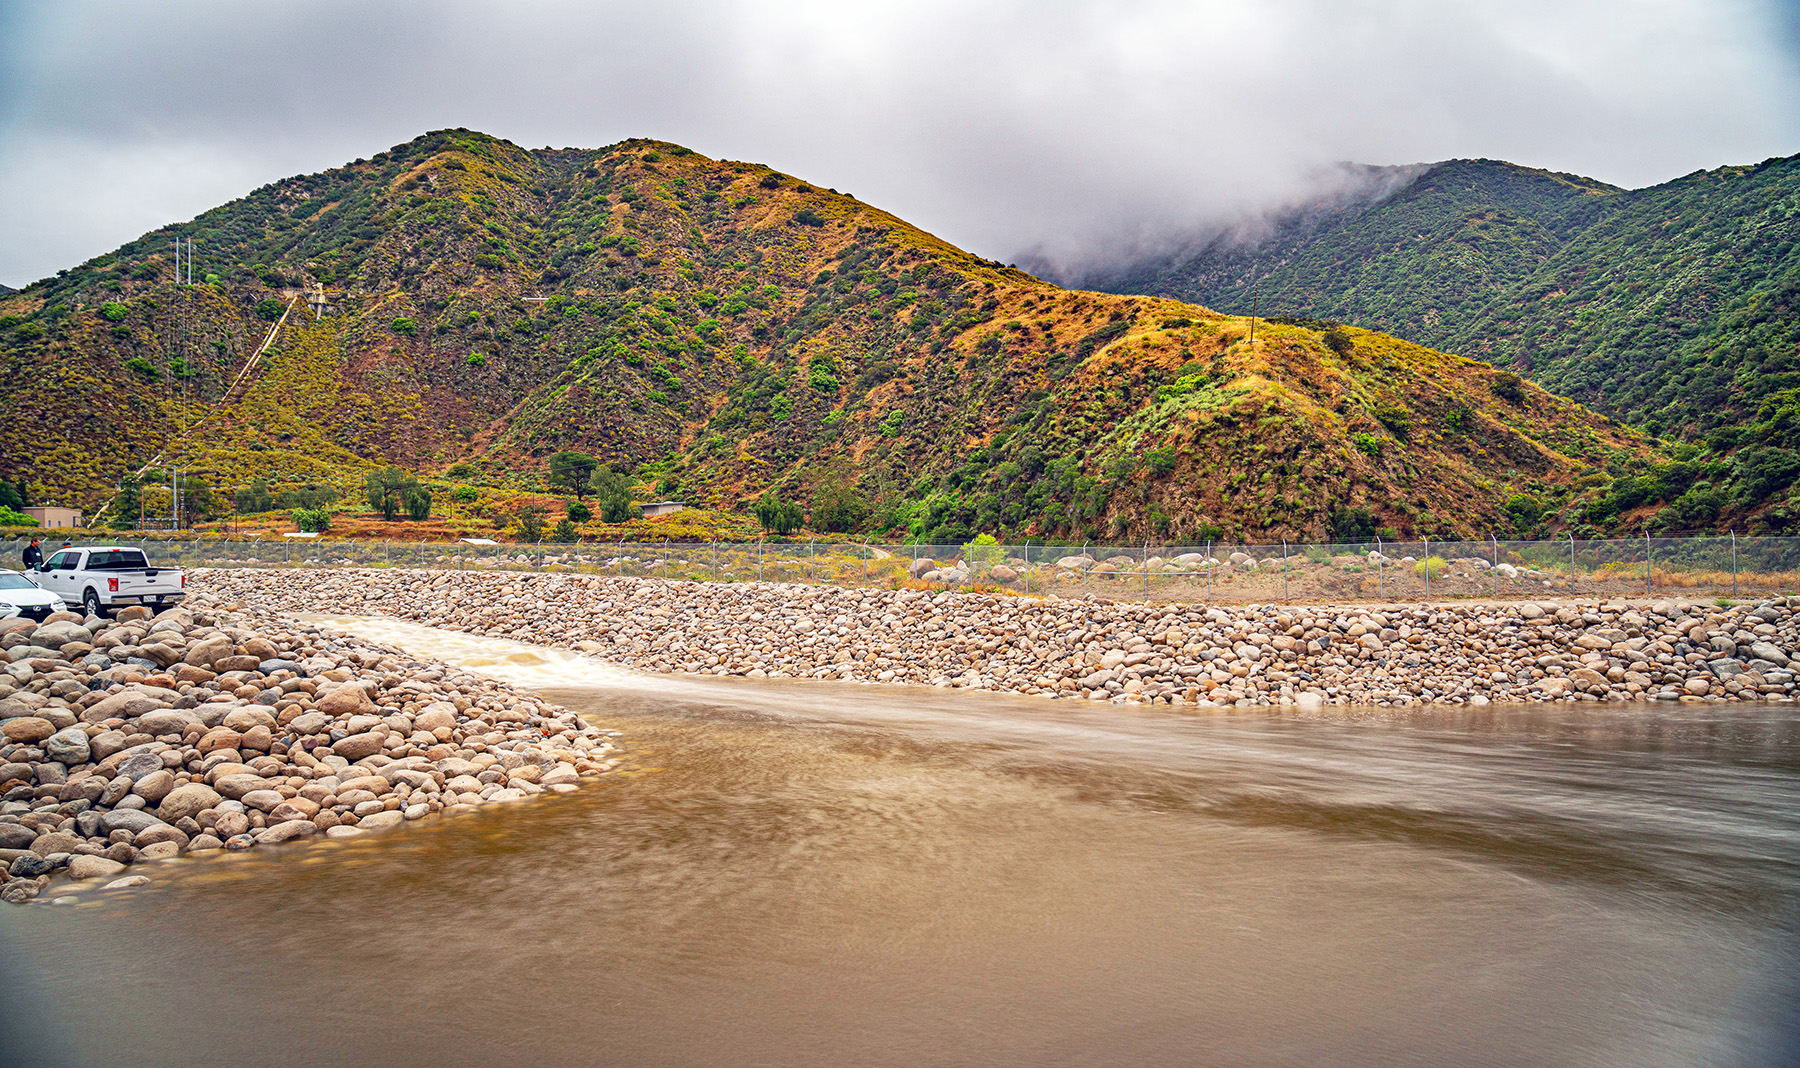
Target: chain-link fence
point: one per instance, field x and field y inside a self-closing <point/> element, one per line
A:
<point x="1691" y="568"/>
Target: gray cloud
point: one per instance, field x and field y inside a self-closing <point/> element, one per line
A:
<point x="1072" y="132"/>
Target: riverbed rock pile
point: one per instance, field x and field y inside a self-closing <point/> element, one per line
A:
<point x="1194" y="654"/>
<point x="148" y="737"/>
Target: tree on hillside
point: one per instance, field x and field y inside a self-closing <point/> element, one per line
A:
<point x="14" y="495"/>
<point x="416" y="499"/>
<point x="837" y="506"/>
<point x="572" y="471"/>
<point x="613" y="493"/>
<point x="386" y="491"/>
<point x="126" y="504"/>
<point x="255" y="499"/>
<point x="198" y="502"/>
<point x="777" y="516"/>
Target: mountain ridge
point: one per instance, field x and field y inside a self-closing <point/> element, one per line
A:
<point x="1517" y="265"/>
<point x="729" y="330"/>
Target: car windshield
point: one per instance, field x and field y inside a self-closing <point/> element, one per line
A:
<point x="116" y="560"/>
<point x="12" y="580"/>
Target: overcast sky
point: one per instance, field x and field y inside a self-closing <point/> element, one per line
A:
<point x="1068" y="131"/>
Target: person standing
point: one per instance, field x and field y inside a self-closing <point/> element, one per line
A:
<point x="33" y="556"/>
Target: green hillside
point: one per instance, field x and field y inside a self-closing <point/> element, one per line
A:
<point x="1420" y="264"/>
<point x="465" y="308"/>
<point x="1675" y="308"/>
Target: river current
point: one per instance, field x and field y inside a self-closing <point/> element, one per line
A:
<point x="824" y="874"/>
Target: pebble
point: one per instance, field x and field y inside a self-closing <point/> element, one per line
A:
<point x="1306" y="656"/>
<point x="214" y="726"/>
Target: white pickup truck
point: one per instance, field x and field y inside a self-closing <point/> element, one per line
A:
<point x="105" y="577"/>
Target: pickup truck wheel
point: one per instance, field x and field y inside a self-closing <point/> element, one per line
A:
<point x="91" y="602"/>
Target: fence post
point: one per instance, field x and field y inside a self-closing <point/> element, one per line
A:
<point x="1285" y="597"/>
<point x="1571" y="561"/>
<point x="1496" y="542"/>
<point x="759" y="571"/>
<point x="619" y="560"/>
<point x="387" y="553"/>
<point x="1380" y="570"/>
<point x="1209" y="569"/>
<point x="1734" y="564"/>
<point x="1647" y="563"/>
<point x="665" y="560"/>
<point x="715" y="556"/>
<point x="812" y="554"/>
<point x="1146" y="572"/>
<point x="1427" y="563"/>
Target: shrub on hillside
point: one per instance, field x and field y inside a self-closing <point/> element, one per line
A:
<point x="312" y="520"/>
<point x="1509" y="387"/>
<point x="984" y="550"/>
<point x="1352" y="525"/>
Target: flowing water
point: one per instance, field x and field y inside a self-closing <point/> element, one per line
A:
<point x="821" y="874"/>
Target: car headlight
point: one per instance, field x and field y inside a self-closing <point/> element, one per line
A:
<point x="7" y="611"/>
<point x="57" y="604"/>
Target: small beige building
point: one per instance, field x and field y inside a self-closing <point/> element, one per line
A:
<point x="651" y="511"/>
<point x="51" y="518"/>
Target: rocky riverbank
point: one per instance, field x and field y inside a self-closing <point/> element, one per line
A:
<point x="1187" y="654"/>
<point x="205" y="728"/>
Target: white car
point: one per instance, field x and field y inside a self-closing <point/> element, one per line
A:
<point x="19" y="596"/>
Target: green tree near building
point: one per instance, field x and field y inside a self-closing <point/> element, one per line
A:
<point x="123" y="515"/>
<point x="776" y="515"/>
<point x="612" y="491"/>
<point x="14" y="495"/>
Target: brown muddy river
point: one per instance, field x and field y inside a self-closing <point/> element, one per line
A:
<point x="819" y="874"/>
